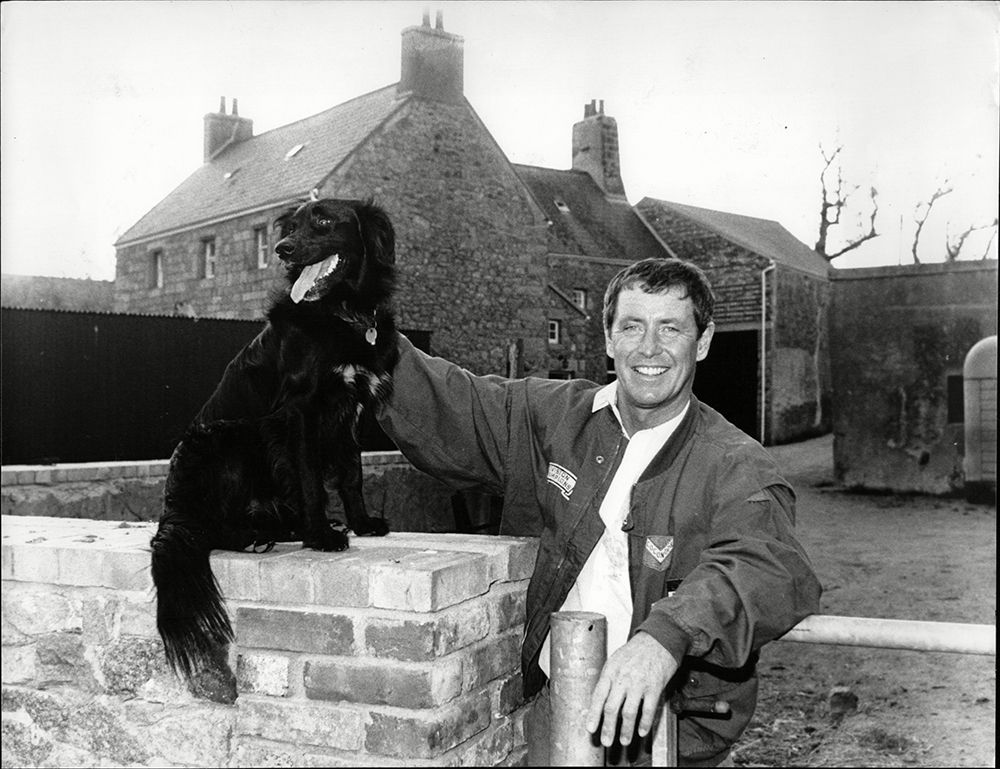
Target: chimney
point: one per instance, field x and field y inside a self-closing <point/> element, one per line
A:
<point x="432" y="62"/>
<point x="595" y="148"/>
<point x="222" y="130"/>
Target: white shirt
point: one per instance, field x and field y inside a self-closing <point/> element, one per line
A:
<point x="603" y="584"/>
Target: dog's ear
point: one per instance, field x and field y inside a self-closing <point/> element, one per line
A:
<point x="377" y="231"/>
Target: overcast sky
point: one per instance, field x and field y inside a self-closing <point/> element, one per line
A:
<point x="719" y="104"/>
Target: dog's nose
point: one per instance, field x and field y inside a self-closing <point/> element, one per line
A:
<point x="284" y="249"/>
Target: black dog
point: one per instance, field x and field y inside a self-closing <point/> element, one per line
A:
<point x="250" y="469"/>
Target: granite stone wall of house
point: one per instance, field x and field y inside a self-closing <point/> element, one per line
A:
<point x="581" y="349"/>
<point x="470" y="243"/>
<point x="402" y="651"/>
<point x="239" y="288"/>
<point x="899" y="337"/>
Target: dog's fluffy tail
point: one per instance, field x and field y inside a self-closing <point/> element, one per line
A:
<point x="190" y="614"/>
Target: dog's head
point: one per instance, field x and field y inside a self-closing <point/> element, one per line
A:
<point x="337" y="248"/>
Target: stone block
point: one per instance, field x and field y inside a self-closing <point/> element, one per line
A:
<point x="429" y="580"/>
<point x="433" y="635"/>
<point x="342" y="579"/>
<point x="127" y="570"/>
<point x="490" y="659"/>
<point x="258" y="673"/>
<point x="36" y="563"/>
<point x="383" y="682"/>
<point x="238" y="575"/>
<point x="127" y="664"/>
<point x="507" y="606"/>
<point x="18" y="664"/>
<point x="32" y="611"/>
<point x="80" y="565"/>
<point x="287" y="630"/>
<point x="60" y="661"/>
<point x="286" y="578"/>
<point x="304" y="723"/>
<point x="487" y="748"/>
<point x="427" y="734"/>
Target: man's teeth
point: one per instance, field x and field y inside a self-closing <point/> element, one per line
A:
<point x="650" y="370"/>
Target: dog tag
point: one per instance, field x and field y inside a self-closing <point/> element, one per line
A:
<point x="371" y="335"/>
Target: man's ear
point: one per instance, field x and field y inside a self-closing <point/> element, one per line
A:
<point x="705" y="341"/>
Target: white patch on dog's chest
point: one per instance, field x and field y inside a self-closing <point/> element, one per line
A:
<point x="358" y="376"/>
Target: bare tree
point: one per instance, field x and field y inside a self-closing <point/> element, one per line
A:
<point x="834" y="201"/>
<point x="954" y="247"/>
<point x="920" y="213"/>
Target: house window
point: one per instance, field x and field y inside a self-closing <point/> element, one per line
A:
<point x="156" y="269"/>
<point x="956" y="399"/>
<point x="580" y="298"/>
<point x="208" y="258"/>
<point x="555" y="331"/>
<point x="262" y="243"/>
<point x="561" y="205"/>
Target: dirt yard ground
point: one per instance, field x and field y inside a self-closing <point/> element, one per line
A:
<point x="894" y="556"/>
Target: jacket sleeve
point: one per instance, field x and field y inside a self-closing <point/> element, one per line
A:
<point x="449" y="423"/>
<point x="752" y="583"/>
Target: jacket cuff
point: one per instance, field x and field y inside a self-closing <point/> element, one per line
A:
<point x="670" y="635"/>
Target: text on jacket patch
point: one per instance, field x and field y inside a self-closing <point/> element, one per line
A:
<point x="561" y="478"/>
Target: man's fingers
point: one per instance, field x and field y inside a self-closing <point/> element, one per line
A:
<point x="611" y="707"/>
<point x="650" y="706"/>
<point x="597" y="699"/>
<point x="629" y="711"/>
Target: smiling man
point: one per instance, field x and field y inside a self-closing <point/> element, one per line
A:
<point x="651" y="509"/>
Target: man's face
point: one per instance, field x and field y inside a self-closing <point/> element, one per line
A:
<point x="655" y="345"/>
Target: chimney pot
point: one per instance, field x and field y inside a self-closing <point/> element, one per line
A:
<point x="222" y="105"/>
<point x="439" y="20"/>
<point x="236" y="109"/>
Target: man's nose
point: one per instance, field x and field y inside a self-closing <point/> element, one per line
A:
<point x="650" y="344"/>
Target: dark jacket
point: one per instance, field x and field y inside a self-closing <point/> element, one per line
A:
<point x="712" y="494"/>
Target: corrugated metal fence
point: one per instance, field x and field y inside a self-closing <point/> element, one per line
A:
<point x="82" y="387"/>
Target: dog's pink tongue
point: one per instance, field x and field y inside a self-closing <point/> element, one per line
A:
<point x="308" y="277"/>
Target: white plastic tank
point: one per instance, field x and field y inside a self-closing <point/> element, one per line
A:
<point x="980" y="390"/>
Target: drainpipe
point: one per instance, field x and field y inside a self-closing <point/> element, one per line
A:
<point x="763" y="347"/>
<point x="579" y="648"/>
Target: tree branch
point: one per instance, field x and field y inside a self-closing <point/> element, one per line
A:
<point x="940" y="192"/>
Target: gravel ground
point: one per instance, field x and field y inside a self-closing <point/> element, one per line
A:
<point x="892" y="556"/>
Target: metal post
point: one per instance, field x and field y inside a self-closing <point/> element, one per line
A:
<point x="579" y="647"/>
<point x="665" y="736"/>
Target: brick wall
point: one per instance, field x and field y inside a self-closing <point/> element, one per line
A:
<point x="401" y="651"/>
<point x="897" y="334"/>
<point x="133" y="491"/>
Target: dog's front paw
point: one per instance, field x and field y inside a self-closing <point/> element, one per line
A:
<point x="372" y="527"/>
<point x="326" y="539"/>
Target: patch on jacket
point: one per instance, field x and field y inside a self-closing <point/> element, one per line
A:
<point x="561" y="478"/>
<point x="659" y="550"/>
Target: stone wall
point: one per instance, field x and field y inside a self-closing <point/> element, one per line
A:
<point x="404" y="650"/>
<point x="897" y="335"/>
<point x="133" y="491"/>
<point x="240" y="289"/>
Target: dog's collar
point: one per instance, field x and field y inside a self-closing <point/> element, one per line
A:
<point x="361" y="321"/>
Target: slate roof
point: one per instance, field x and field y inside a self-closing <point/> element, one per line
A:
<point x="762" y="236"/>
<point x="260" y="173"/>
<point x="592" y="225"/>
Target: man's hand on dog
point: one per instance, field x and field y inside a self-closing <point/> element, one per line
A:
<point x="633" y="679"/>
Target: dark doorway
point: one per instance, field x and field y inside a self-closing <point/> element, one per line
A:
<point x="727" y="380"/>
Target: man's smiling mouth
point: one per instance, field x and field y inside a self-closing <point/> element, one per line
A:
<point x="650" y="370"/>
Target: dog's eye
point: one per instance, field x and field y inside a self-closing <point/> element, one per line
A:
<point x="324" y="223"/>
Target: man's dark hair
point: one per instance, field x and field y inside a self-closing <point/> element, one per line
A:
<point x="657" y="276"/>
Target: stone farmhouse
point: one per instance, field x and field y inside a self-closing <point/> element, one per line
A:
<point x="502" y="266"/>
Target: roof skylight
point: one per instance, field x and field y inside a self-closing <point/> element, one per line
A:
<point x="561" y="205"/>
<point x="294" y="151"/>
